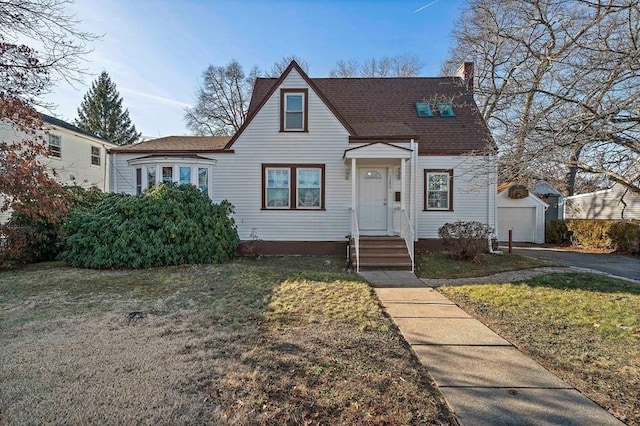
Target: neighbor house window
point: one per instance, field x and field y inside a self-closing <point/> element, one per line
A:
<point x="151" y="176"/>
<point x="138" y="181"/>
<point x="438" y="188"/>
<point x="203" y="179"/>
<point x="293" y="186"/>
<point x="55" y="146"/>
<point x="95" y="155"/>
<point x="184" y="175"/>
<point x="294" y="108"/>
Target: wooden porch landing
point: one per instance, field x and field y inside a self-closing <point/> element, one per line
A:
<point x="382" y="253"/>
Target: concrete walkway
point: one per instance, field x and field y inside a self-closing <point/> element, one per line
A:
<point x="484" y="378"/>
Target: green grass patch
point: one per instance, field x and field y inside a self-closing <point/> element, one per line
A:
<point x="442" y="265"/>
<point x="584" y="327"/>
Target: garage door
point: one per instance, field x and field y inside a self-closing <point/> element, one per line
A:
<point x="521" y="219"/>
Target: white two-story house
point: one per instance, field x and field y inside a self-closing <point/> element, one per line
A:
<point x="77" y="156"/>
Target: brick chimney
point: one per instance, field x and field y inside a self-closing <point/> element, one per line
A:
<point x="465" y="72"/>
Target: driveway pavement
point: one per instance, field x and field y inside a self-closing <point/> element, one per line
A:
<point x="623" y="266"/>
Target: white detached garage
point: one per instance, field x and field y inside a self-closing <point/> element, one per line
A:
<point x="522" y="212"/>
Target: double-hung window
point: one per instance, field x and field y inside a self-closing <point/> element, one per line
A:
<point x="278" y="188"/>
<point x="309" y="188"/>
<point x="95" y="155"/>
<point x="293" y="113"/>
<point x="438" y="190"/>
<point x="55" y="146"/>
<point x="293" y="186"/>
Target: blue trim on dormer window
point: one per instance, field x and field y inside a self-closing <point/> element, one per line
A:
<point x="446" y="109"/>
<point x="424" y="109"/>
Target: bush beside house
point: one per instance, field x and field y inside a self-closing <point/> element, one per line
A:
<point x="600" y="234"/>
<point x="465" y="240"/>
<point x="170" y="225"/>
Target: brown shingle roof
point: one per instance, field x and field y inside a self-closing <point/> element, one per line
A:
<point x="385" y="107"/>
<point x="175" y="144"/>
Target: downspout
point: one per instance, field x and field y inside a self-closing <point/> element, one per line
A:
<point x="491" y="196"/>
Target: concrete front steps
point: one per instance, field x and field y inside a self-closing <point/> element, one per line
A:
<point x="382" y="253"/>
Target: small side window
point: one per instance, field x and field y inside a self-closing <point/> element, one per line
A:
<point x="95" y="155"/>
<point x="55" y="146"/>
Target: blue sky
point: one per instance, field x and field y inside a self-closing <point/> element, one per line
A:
<point x="155" y="51"/>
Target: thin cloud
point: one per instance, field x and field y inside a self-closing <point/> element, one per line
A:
<point x="426" y="6"/>
<point x="155" y="97"/>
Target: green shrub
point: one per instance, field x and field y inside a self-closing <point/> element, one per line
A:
<point x="465" y="240"/>
<point x="170" y="225"/>
<point x="625" y="237"/>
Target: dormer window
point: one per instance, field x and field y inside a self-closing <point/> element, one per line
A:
<point x="446" y="109"/>
<point x="293" y="110"/>
<point x="424" y="109"/>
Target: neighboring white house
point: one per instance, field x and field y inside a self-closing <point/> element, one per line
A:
<point x="77" y="156"/>
<point x="522" y="212"/>
<point x="320" y="160"/>
<point x="616" y="202"/>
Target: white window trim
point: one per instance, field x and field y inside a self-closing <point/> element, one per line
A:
<point x="301" y="111"/>
<point x="449" y="197"/>
<point x="99" y="156"/>
<point x="298" y="206"/>
<point x="59" y="146"/>
<point x="175" y="163"/>
<point x="266" y="188"/>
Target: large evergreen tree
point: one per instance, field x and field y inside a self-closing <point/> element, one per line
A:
<point x="101" y="113"/>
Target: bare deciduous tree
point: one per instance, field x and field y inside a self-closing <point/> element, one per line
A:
<point x="39" y="44"/>
<point x="281" y="65"/>
<point x="222" y="101"/>
<point x="387" y="66"/>
<point x="557" y="81"/>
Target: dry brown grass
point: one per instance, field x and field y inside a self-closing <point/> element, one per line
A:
<point x="275" y="341"/>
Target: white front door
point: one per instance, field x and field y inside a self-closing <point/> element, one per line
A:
<point x="372" y="200"/>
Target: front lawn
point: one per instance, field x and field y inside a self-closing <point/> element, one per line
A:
<point x="583" y="327"/>
<point x="442" y="265"/>
<point x="275" y="341"/>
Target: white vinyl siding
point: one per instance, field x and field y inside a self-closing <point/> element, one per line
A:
<point x="474" y="186"/>
<point x="262" y="142"/>
<point x="614" y="203"/>
<point x="73" y="167"/>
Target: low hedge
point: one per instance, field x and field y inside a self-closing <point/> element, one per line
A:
<point x="169" y="225"/>
<point x="618" y="235"/>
